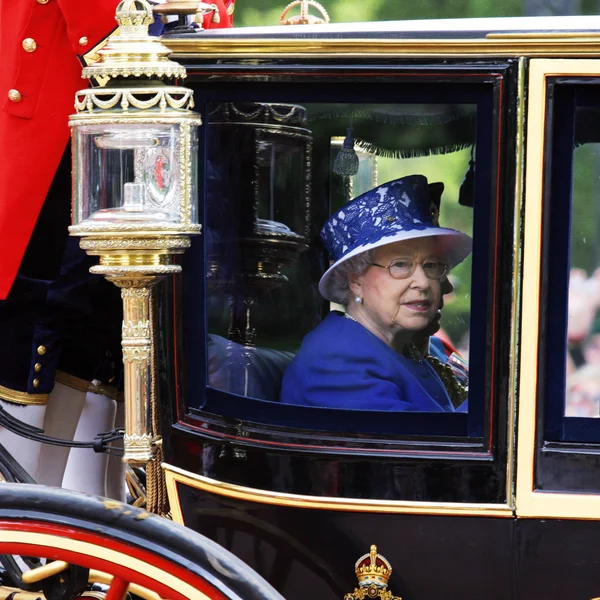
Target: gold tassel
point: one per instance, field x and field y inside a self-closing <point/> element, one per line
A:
<point x="157" y="500"/>
<point x="216" y="17"/>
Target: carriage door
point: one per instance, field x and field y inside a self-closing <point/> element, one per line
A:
<point x="559" y="401"/>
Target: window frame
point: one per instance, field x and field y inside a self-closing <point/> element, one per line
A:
<point x="456" y="453"/>
<point x="564" y="468"/>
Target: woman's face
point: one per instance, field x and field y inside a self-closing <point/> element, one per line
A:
<point x="396" y="305"/>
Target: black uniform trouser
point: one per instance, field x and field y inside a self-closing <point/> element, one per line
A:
<point x="57" y="315"/>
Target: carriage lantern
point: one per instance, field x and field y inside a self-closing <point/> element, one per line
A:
<point x="134" y="191"/>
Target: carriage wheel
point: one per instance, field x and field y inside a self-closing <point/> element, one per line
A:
<point x="124" y="547"/>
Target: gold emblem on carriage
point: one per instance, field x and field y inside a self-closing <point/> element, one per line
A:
<point x="373" y="572"/>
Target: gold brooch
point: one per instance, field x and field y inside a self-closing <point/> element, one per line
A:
<point x="373" y="572"/>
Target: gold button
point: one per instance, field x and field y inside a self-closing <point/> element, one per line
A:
<point x="42" y="1"/>
<point x="14" y="95"/>
<point x="37" y="367"/>
<point x="29" y="45"/>
<point x="36" y="383"/>
<point x="41" y="350"/>
<point x="83" y="41"/>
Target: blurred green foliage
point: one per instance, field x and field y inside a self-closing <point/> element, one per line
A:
<point x="267" y="12"/>
<point x="585" y="236"/>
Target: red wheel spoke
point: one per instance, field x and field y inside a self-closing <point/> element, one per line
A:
<point x="117" y="590"/>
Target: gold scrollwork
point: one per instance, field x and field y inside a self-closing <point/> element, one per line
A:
<point x="148" y="118"/>
<point x="176" y="98"/>
<point x="132" y="291"/>
<point x="136" y="330"/>
<point x="134" y="14"/>
<point x="371" y="592"/>
<point x="133" y="52"/>
<point x="139" y="441"/>
<point x="373" y="572"/>
<point x="139" y="448"/>
<point x="167" y="243"/>
<point x="162" y="227"/>
<point x="136" y="354"/>
<point x="158" y="70"/>
<point x="132" y="271"/>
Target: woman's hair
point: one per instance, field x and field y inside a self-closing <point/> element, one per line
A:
<point x="340" y="282"/>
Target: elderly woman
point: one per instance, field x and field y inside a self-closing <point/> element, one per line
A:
<point x="389" y="261"/>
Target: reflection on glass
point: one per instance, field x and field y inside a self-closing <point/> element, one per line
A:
<point x="134" y="173"/>
<point x="271" y="186"/>
<point x="344" y="188"/>
<point x="583" y="332"/>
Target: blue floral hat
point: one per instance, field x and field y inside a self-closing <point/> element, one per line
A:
<point x="392" y="212"/>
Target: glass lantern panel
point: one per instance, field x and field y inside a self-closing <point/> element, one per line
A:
<point x="128" y="173"/>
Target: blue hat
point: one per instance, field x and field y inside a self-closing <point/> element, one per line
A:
<point x="392" y="212"/>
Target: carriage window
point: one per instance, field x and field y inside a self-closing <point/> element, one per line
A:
<point x="338" y="255"/>
<point x="582" y="395"/>
<point x="572" y="358"/>
<point x="568" y="431"/>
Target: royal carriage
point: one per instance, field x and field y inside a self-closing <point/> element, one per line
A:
<point x="501" y="501"/>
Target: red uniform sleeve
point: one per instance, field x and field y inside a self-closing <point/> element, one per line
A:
<point x="88" y="23"/>
<point x="225" y="19"/>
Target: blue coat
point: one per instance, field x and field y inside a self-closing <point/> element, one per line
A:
<point x="343" y="365"/>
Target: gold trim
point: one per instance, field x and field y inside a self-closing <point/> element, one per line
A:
<point x="516" y="285"/>
<point x="75" y="383"/>
<point x="22" y="397"/>
<point x="135" y="243"/>
<point x="132" y="51"/>
<point x="532" y="503"/>
<point x="494" y="45"/>
<point x="175" y="475"/>
<point x="113" y="556"/>
<point x="158" y="98"/>
<point x="82" y="385"/>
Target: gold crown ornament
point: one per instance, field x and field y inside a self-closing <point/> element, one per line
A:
<point x="373" y="572"/>
<point x="304" y="18"/>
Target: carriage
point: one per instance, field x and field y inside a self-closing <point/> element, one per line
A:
<point x="501" y="501"/>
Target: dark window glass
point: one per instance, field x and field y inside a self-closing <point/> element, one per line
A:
<point x="568" y="455"/>
<point x="275" y="170"/>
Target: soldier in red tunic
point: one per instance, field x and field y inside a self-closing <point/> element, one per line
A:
<point x="49" y="305"/>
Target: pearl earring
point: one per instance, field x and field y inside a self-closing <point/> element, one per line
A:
<point x="358" y="299"/>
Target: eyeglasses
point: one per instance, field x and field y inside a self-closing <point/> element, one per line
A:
<point x="402" y="268"/>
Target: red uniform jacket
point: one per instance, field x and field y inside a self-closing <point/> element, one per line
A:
<point x="41" y="45"/>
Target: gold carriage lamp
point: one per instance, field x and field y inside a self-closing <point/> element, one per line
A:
<point x="134" y="191"/>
